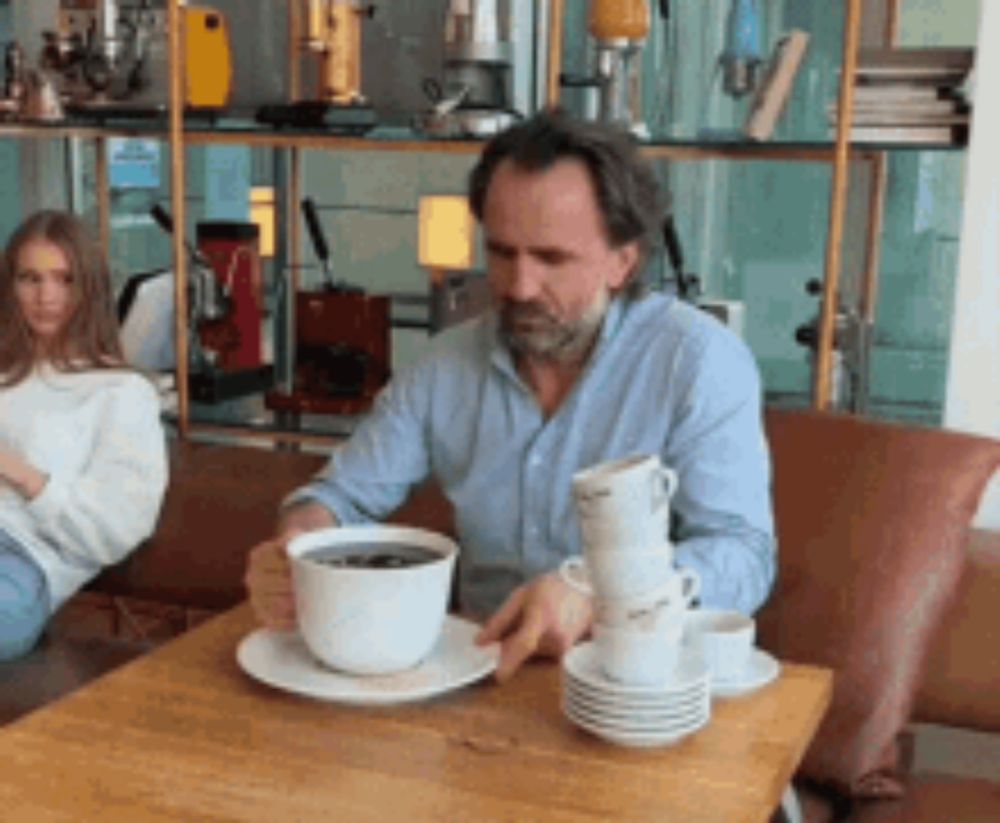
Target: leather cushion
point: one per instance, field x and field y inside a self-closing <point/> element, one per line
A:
<point x="220" y="502"/>
<point x="961" y="683"/>
<point x="936" y="798"/>
<point x="872" y="519"/>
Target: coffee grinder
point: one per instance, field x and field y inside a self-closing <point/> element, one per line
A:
<point x="474" y="99"/>
<point x="619" y="29"/>
<point x="332" y="37"/>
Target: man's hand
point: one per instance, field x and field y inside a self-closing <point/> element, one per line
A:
<point x="268" y="580"/>
<point x="268" y="576"/>
<point x="543" y="617"/>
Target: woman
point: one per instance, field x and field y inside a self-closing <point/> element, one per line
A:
<point x="82" y="453"/>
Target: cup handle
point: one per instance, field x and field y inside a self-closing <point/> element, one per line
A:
<point x="690" y="585"/>
<point x="664" y="481"/>
<point x="668" y="477"/>
<point x="573" y="570"/>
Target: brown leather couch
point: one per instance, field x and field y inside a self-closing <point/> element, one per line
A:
<point x="876" y="556"/>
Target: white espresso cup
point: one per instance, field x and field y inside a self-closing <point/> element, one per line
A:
<point x="636" y="656"/>
<point x="624" y="504"/>
<point x="667" y="603"/>
<point x="725" y="640"/>
<point x="611" y="574"/>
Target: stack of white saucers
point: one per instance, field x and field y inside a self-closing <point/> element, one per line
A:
<point x="657" y="714"/>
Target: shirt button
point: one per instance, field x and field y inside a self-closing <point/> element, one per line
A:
<point x="536" y="461"/>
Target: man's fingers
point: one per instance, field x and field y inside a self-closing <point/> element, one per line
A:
<point x="503" y="619"/>
<point x="268" y="581"/>
<point x="521" y="645"/>
<point x="274" y="611"/>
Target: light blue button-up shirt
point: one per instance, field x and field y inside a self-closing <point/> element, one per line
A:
<point x="664" y="378"/>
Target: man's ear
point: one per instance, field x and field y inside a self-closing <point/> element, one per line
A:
<point x="626" y="258"/>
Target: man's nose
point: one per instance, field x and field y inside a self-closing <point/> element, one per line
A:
<point x="523" y="279"/>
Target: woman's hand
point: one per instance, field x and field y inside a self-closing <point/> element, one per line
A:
<point x="21" y="476"/>
<point x="543" y="617"/>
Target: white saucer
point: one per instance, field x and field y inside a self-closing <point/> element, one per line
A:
<point x="655" y="712"/>
<point x="581" y="665"/>
<point x="632" y="737"/>
<point x="761" y="669"/>
<point x="281" y="659"/>
<point x="642" y="722"/>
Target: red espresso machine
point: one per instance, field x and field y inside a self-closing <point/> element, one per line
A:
<point x="226" y="313"/>
<point x="341" y="343"/>
<point x="232" y="342"/>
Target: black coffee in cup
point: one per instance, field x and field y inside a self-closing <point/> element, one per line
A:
<point x="380" y="555"/>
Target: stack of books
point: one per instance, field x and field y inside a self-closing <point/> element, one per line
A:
<point x="910" y="95"/>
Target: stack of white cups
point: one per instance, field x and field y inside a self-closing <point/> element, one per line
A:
<point x="640" y="598"/>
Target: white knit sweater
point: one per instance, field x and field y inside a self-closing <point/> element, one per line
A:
<point x="98" y="437"/>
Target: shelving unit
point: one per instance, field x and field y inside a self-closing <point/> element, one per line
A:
<point x="837" y="154"/>
<point x="199" y="131"/>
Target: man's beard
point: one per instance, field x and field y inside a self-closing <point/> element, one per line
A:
<point x="529" y="329"/>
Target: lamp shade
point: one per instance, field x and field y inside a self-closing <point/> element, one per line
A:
<point x="446" y="229"/>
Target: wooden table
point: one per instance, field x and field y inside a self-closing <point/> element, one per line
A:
<point x="184" y="735"/>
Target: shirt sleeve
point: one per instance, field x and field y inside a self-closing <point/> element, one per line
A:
<point x="724" y="527"/>
<point x="371" y="474"/>
<point x="103" y="512"/>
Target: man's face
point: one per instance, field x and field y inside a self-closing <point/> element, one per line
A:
<point x="551" y="267"/>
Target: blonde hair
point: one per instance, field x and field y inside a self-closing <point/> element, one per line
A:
<point x="90" y="339"/>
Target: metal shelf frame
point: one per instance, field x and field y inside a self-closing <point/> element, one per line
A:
<point x="179" y="132"/>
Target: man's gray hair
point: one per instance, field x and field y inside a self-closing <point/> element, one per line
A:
<point x="623" y="180"/>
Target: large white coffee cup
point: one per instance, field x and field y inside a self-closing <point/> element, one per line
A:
<point x="371" y="620"/>
<point x="611" y="574"/>
<point x="624" y="504"/>
<point x="724" y="638"/>
<point x="638" y="656"/>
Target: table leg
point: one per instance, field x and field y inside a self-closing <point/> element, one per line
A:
<point x="789" y="811"/>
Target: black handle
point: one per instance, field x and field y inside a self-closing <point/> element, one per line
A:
<point x="665" y="9"/>
<point x="673" y="245"/>
<point x="315" y="232"/>
<point x="162" y="218"/>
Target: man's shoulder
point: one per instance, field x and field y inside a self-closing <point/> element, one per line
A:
<point x="467" y="342"/>
<point x="668" y="319"/>
<point x="686" y="336"/>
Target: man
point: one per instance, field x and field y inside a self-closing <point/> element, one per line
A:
<point x="573" y="365"/>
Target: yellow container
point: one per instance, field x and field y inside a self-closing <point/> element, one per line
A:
<point x="618" y="19"/>
<point x="208" y="62"/>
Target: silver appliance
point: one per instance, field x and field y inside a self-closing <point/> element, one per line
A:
<point x="109" y="51"/>
<point x="475" y="97"/>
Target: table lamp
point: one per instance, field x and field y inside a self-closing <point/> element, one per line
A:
<point x="446" y="229"/>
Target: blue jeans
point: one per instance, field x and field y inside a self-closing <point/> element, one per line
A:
<point x="24" y="600"/>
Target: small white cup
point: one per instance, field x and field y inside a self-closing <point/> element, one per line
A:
<point x="635" y="656"/>
<point x="624" y="504"/>
<point x="724" y="638"/>
<point x="667" y="603"/>
<point x="610" y="574"/>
